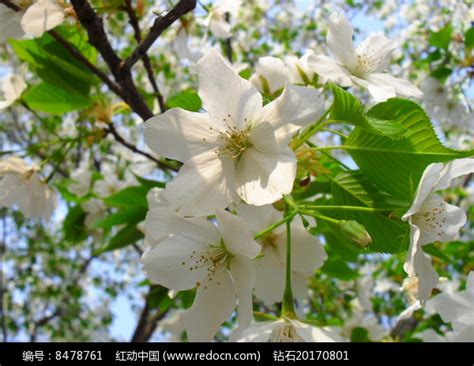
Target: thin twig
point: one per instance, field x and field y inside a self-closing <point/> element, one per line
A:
<point x="160" y="25"/>
<point x="113" y="131"/>
<point x="146" y="59"/>
<point x="94" y="26"/>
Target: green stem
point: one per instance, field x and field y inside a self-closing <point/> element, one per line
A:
<point x="346" y="208"/>
<point x="288" y="303"/>
<point x="308" y="132"/>
<point x="321" y="217"/>
<point x="269" y="229"/>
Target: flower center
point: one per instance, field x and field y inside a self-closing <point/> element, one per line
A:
<point x="432" y="219"/>
<point x="285" y="333"/>
<point x="233" y="141"/>
<point x="270" y="240"/>
<point x="213" y="260"/>
<point x="363" y="65"/>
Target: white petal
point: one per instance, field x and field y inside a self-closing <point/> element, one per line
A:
<point x="258" y="217"/>
<point x="438" y="220"/>
<point x="179" y="134"/>
<point x="308" y="253"/>
<point x="339" y="39"/>
<point x="419" y="265"/>
<point x="452" y="170"/>
<point x="203" y="184"/>
<point x="12" y="87"/>
<point x="42" y="16"/>
<point x="260" y="332"/>
<point x="10" y="24"/>
<point x="224" y="93"/>
<point x="270" y="276"/>
<point x="402" y="87"/>
<point x="274" y="71"/>
<point x="161" y="222"/>
<point x="267" y="139"/>
<point x="180" y="44"/>
<point x="425" y="187"/>
<point x="377" y="50"/>
<point x="5" y="104"/>
<point x="465" y="334"/>
<point x="243" y="275"/>
<point x="219" y="27"/>
<point x="164" y="263"/>
<point x="214" y="303"/>
<point x="470" y="282"/>
<point x="314" y="334"/>
<point x="156" y="197"/>
<point x="330" y="69"/>
<point x="380" y="93"/>
<point x="264" y="178"/>
<point x="237" y="236"/>
<point x="298" y="105"/>
<point x="457" y="308"/>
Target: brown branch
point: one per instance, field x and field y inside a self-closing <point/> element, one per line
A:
<point x="148" y="320"/>
<point x="160" y="24"/>
<point x="94" y="26"/>
<point x="113" y="131"/>
<point x="133" y="20"/>
<point x="10" y="5"/>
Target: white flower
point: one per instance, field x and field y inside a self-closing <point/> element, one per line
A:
<point x="10" y="23"/>
<point x="95" y="210"/>
<point x="363" y="65"/>
<point x="21" y="186"/>
<point x="216" y="261"/>
<point x="12" y="88"/>
<point x="235" y="149"/>
<point x="81" y="180"/>
<point x="456" y="308"/>
<point x="464" y="335"/>
<point x="271" y="75"/>
<point x="287" y="330"/>
<point x="308" y="254"/>
<point x="431" y="219"/>
<point x="216" y="19"/>
<point x="42" y="16"/>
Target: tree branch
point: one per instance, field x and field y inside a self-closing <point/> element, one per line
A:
<point x="97" y="38"/>
<point x="148" y="320"/>
<point x="146" y="59"/>
<point x="113" y="131"/>
<point x="160" y="24"/>
<point x="10" y="5"/>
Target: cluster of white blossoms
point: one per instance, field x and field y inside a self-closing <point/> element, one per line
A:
<point x="432" y="220"/>
<point x="236" y="156"/>
<point x="33" y="19"/>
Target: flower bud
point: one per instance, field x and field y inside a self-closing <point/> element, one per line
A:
<point x="355" y="232"/>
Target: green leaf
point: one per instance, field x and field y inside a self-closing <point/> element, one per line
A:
<point x="431" y="249"/>
<point x="442" y="38"/>
<point x="353" y="189"/>
<point x="51" y="99"/>
<point x="187" y="99"/>
<point x="73" y="227"/>
<point x="127" y="215"/>
<point x="397" y="165"/>
<point x="469" y="38"/>
<point x="348" y="109"/>
<point x="129" y="197"/>
<point x="148" y="183"/>
<point x="441" y="73"/>
<point x="128" y="235"/>
<point x="360" y="335"/>
<point x="338" y="268"/>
